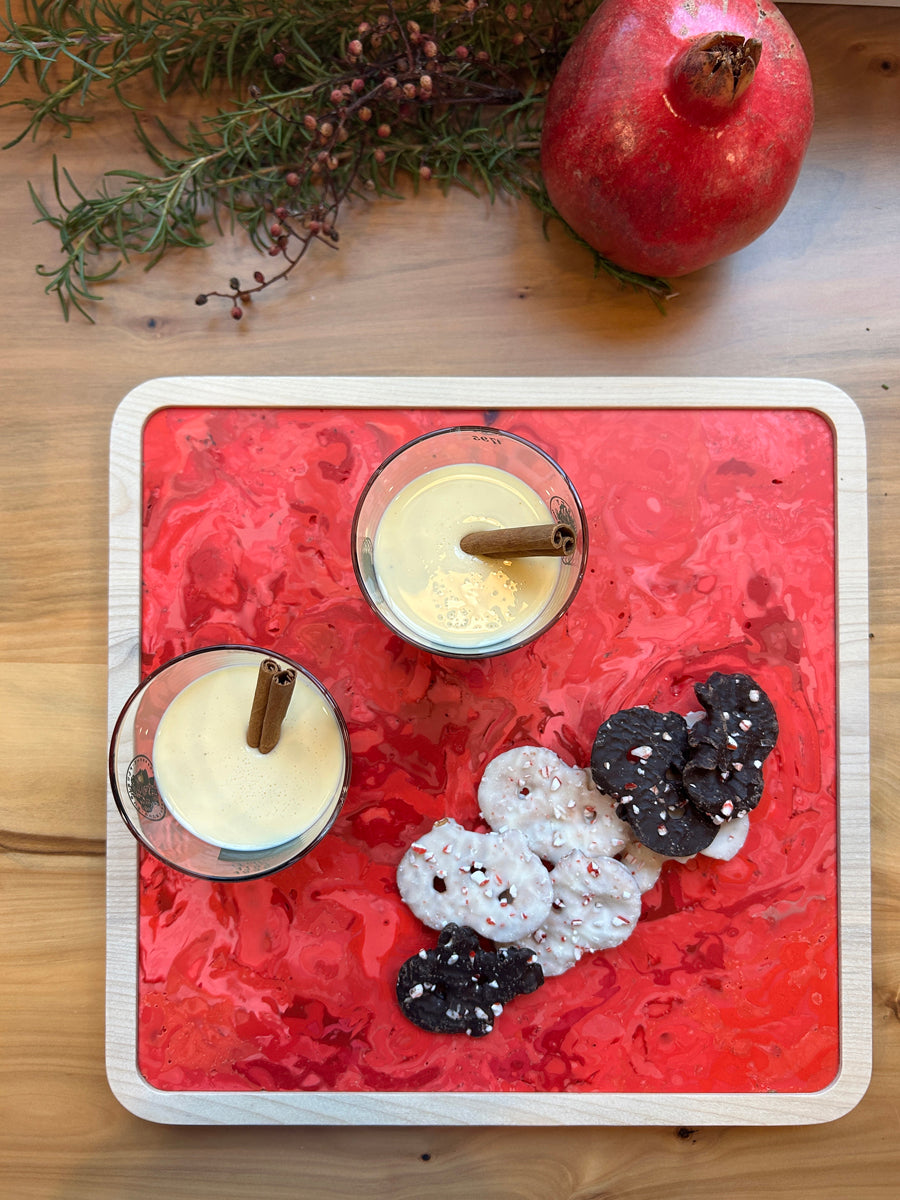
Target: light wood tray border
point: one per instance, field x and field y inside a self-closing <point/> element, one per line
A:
<point x="545" y="1109"/>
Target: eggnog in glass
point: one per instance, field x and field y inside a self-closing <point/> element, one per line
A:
<point x="197" y="795"/>
<point x="418" y="506"/>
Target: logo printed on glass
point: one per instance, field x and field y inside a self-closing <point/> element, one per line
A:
<point x="142" y="789"/>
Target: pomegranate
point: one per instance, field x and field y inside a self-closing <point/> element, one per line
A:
<point x="675" y="130"/>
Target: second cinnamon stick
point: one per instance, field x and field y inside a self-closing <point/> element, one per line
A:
<point x="280" y="692"/>
<point x="268" y="669"/>
<point x="524" y="541"/>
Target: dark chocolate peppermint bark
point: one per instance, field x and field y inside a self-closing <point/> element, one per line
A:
<point x="675" y="785"/>
<point x="638" y="749"/>
<point x="638" y="758"/>
<point x="459" y="987"/>
<point x="723" y="774"/>
<point x="676" y="830"/>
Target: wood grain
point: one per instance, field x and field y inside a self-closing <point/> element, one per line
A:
<point x="421" y="286"/>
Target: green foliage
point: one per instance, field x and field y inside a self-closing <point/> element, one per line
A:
<point x="330" y="101"/>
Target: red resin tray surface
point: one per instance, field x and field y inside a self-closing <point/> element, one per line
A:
<point x="712" y="549"/>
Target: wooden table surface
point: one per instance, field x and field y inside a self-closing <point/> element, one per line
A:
<point x="429" y="285"/>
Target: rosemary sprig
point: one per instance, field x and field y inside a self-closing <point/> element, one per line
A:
<point x="332" y="101"/>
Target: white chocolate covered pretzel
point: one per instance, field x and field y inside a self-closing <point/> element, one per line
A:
<point x="557" y="807"/>
<point x="596" y="905"/>
<point x="491" y="882"/>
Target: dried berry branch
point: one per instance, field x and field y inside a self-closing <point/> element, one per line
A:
<point x="335" y="101"/>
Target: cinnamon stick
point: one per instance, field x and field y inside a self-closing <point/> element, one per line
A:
<point x="524" y="541"/>
<point x="268" y="669"/>
<point x="280" y="692"/>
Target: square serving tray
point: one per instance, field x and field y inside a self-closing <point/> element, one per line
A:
<point x="728" y="531"/>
